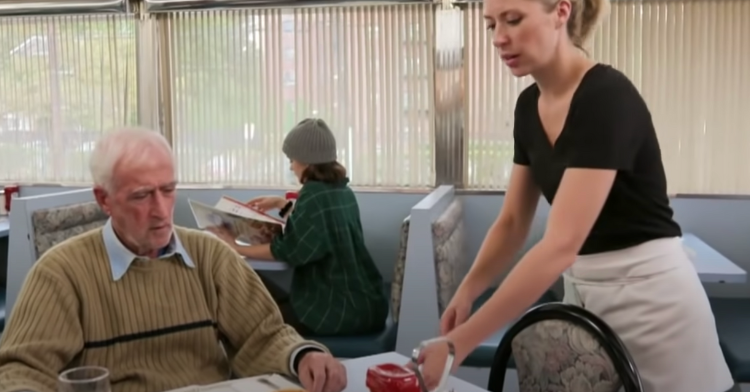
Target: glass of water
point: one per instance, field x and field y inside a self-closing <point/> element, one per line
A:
<point x="84" y="379"/>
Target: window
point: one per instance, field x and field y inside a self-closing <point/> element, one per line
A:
<point x="33" y="46"/>
<point x="410" y="105"/>
<point x="288" y="26"/>
<point x="63" y="81"/>
<point x="218" y="92"/>
<point x="289" y="78"/>
<point x="688" y="58"/>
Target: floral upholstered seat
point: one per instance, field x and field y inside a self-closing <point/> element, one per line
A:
<point x="560" y="347"/>
<point x="54" y="225"/>
<point x="451" y="255"/>
<point x="559" y="356"/>
<point x="398" y="270"/>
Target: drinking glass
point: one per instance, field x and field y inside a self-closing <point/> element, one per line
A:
<point x="84" y="379"/>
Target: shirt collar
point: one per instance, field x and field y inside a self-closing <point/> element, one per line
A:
<point x="121" y="257"/>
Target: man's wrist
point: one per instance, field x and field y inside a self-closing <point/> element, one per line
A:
<point x="300" y="353"/>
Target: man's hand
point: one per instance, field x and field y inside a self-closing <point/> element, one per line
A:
<point x="321" y="372"/>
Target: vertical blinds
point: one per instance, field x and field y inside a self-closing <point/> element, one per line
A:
<point x="688" y="58"/>
<point x="241" y="79"/>
<point x="64" y="80"/>
<point x="235" y="81"/>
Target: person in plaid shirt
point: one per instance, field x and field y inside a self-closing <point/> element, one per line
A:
<point x="336" y="288"/>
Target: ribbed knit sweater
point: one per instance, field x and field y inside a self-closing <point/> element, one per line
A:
<point x="157" y="328"/>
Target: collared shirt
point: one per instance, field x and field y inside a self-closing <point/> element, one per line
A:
<point x="120" y="257"/>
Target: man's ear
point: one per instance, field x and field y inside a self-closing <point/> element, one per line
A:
<point x="102" y="198"/>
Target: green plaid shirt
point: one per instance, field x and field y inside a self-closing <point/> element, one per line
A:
<point x="336" y="288"/>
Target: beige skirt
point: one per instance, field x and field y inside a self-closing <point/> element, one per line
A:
<point x="650" y="294"/>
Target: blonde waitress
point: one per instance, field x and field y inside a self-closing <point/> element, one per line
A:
<point x="585" y="140"/>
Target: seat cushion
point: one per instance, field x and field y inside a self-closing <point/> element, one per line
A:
<point x="733" y="322"/>
<point x="484" y="354"/>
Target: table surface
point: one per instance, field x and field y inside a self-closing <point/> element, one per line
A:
<point x="712" y="266"/>
<point x="356" y="373"/>
<point x="262" y="265"/>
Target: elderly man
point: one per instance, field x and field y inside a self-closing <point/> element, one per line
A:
<point x="148" y="300"/>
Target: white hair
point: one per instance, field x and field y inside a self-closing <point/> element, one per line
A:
<point x="134" y="144"/>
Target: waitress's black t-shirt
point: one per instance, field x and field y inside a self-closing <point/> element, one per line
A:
<point x="608" y="126"/>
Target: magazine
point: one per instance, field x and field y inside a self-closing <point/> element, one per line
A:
<point x="247" y="224"/>
<point x="264" y="383"/>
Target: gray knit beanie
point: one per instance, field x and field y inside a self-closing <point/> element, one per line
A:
<point x="310" y="142"/>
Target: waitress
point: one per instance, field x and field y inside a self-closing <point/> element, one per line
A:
<point x="336" y="287"/>
<point x="584" y="138"/>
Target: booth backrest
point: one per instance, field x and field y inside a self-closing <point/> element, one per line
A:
<point x="55" y="225"/>
<point x="418" y="311"/>
<point x="451" y="255"/>
<point x="48" y="217"/>
<point x="398" y="271"/>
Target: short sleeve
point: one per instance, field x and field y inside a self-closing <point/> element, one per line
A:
<point x="520" y="157"/>
<point x="525" y="106"/>
<point x="607" y="125"/>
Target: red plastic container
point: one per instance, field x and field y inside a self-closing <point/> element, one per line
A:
<point x="291" y="195"/>
<point x="390" y="377"/>
<point x="11" y="191"/>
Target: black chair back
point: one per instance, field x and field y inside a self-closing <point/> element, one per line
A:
<point x="556" y="346"/>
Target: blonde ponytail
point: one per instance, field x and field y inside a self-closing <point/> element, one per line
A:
<point x="584" y="17"/>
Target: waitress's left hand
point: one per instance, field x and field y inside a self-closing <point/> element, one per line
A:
<point x="433" y="360"/>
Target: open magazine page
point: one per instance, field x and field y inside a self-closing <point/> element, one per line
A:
<point x="265" y="383"/>
<point x="233" y="206"/>
<point x="254" y="231"/>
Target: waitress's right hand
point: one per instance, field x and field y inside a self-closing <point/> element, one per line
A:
<point x="457" y="312"/>
<point x="265" y="203"/>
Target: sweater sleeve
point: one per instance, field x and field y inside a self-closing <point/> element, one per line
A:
<point x="304" y="238"/>
<point x="44" y="333"/>
<point x="250" y="321"/>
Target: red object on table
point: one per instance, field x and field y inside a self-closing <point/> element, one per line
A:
<point x="291" y="195"/>
<point x="389" y="377"/>
<point x="11" y="191"/>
